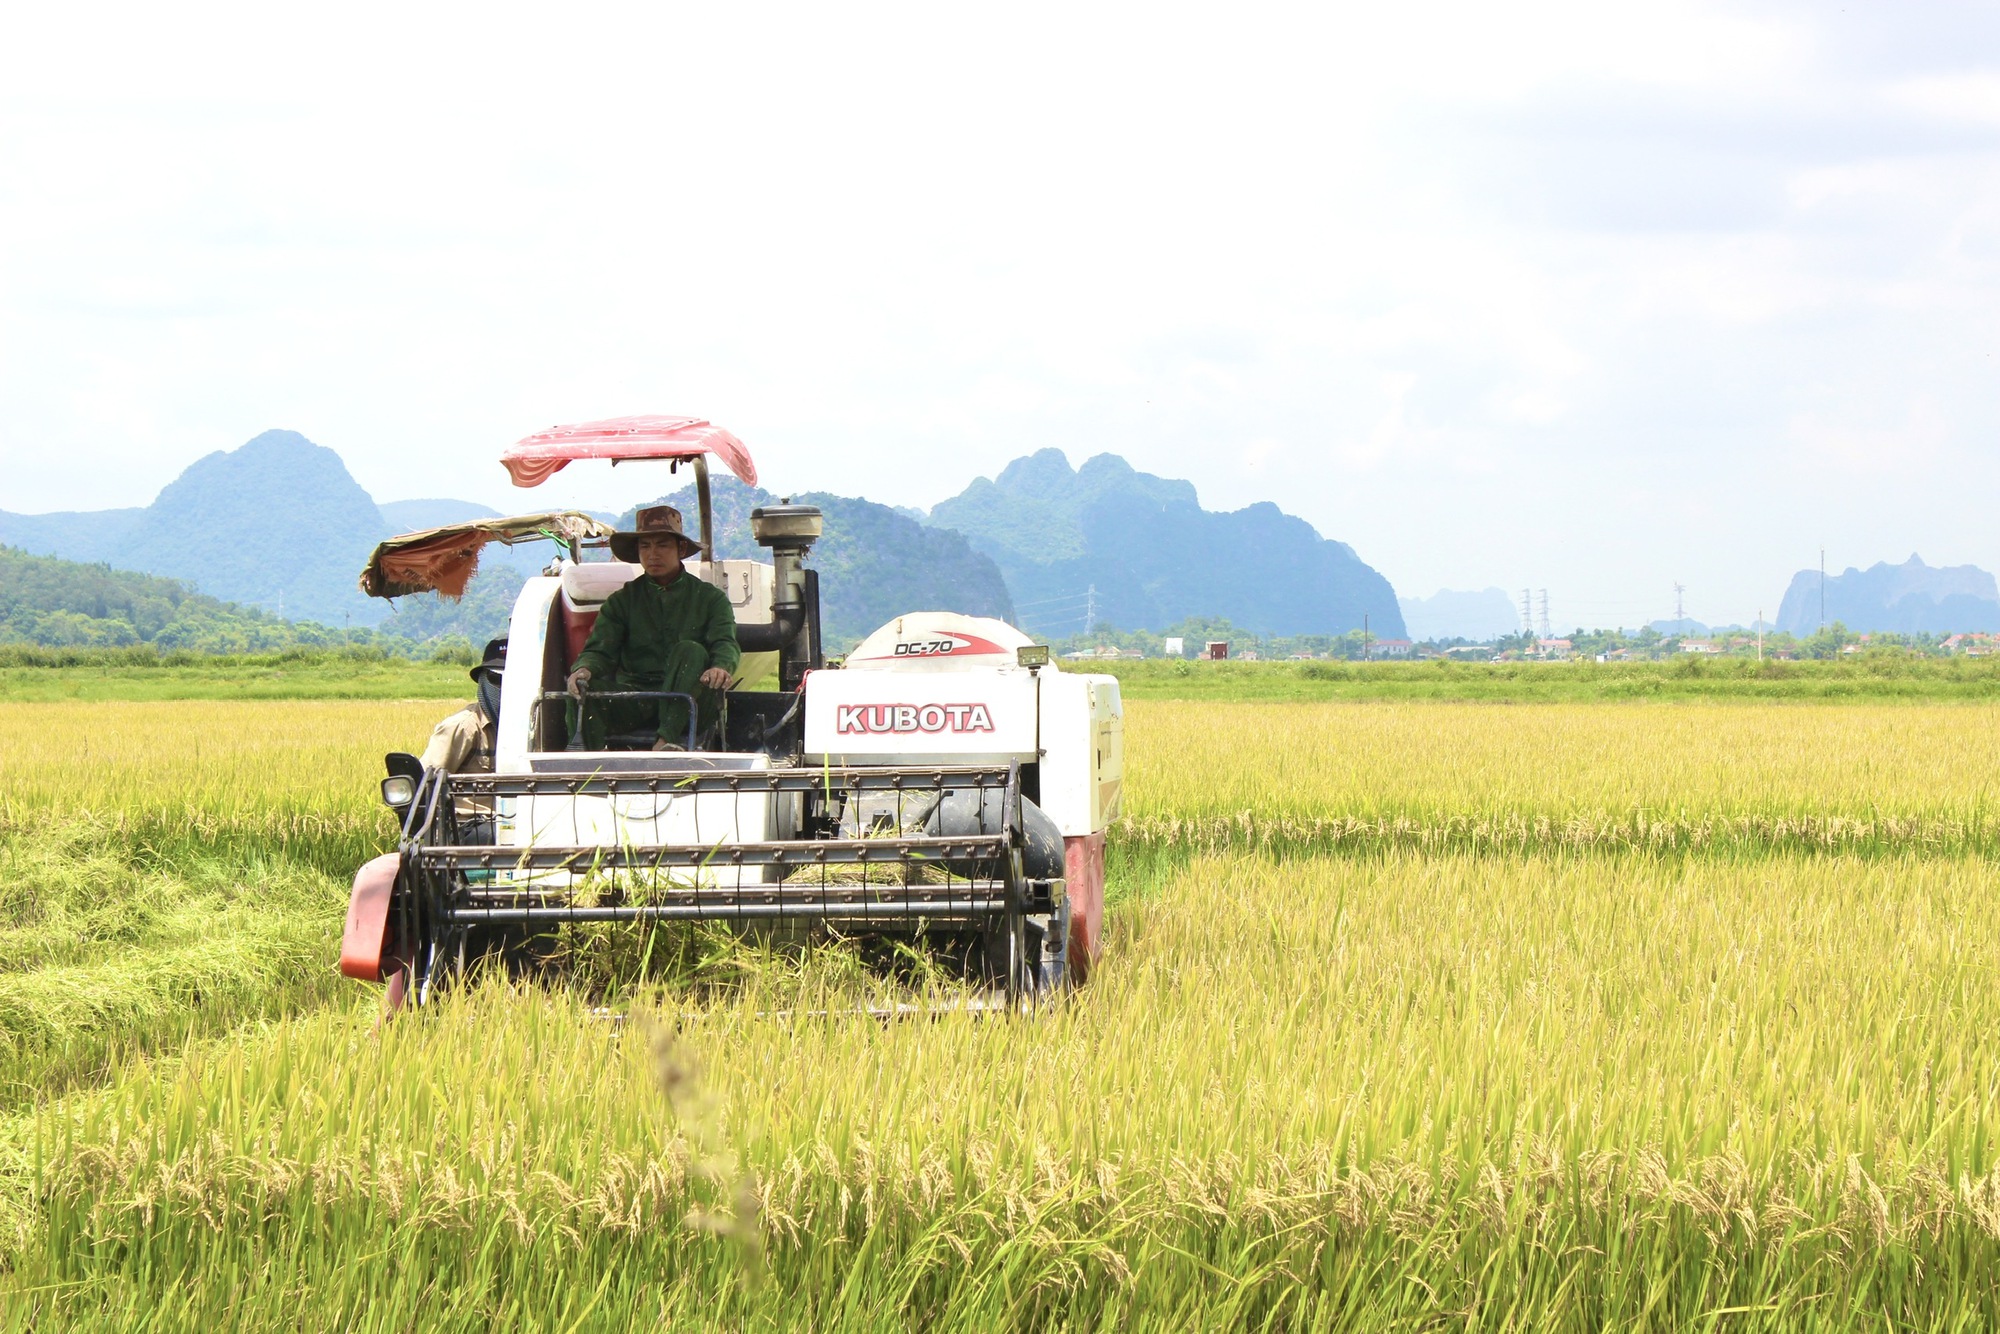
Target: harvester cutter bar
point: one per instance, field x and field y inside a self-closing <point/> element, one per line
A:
<point x="455" y="886"/>
<point x="644" y="856"/>
<point x="655" y="781"/>
<point x="722" y="910"/>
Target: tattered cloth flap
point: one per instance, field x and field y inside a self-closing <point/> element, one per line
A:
<point x="443" y="560"/>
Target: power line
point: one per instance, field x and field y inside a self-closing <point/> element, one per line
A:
<point x="1073" y="618"/>
<point x="1628" y="604"/>
<point x="1043" y="602"/>
<point x="1059" y="619"/>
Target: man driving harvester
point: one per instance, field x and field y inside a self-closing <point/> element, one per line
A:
<point x="663" y="631"/>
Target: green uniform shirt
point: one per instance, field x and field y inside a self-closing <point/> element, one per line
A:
<point x="641" y="623"/>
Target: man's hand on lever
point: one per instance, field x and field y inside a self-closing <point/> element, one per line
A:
<point x="716" y="678"/>
<point x="578" y="679"/>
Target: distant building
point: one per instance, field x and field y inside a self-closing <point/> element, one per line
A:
<point x="1390" y="648"/>
<point x="1248" y="655"/>
<point x="1175" y="647"/>
<point x="1554" y="648"/>
<point x="1217" y="649"/>
<point x="1700" y="646"/>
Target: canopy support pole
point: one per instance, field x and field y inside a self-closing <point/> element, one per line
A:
<point x="707" y="510"/>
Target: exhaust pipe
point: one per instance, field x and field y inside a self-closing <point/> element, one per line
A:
<point x="772" y="635"/>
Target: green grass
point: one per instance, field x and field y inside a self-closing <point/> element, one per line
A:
<point x="1862" y="681"/>
<point x="308" y="674"/>
<point x="273" y="677"/>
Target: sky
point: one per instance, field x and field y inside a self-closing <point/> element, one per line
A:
<point x="1589" y="298"/>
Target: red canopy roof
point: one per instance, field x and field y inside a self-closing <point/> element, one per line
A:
<point x="534" y="460"/>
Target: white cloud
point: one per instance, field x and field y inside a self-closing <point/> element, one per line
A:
<point x="1958" y="96"/>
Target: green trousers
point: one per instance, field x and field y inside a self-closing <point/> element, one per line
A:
<point x="686" y="661"/>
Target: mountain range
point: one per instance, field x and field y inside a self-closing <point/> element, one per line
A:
<point x="1109" y="543"/>
<point x="277" y="524"/>
<point x="280" y="525"/>
<point x="1911" y="598"/>
<point x="874" y="562"/>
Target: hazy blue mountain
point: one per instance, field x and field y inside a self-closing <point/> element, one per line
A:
<point x="874" y="562"/>
<point x="280" y="522"/>
<point x="1445" y="614"/>
<point x="80" y="535"/>
<point x="277" y="524"/>
<point x="1156" y="557"/>
<point x="280" y="525"/>
<point x="1910" y="598"/>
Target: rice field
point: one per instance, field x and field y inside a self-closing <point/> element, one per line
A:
<point x="1415" y="1016"/>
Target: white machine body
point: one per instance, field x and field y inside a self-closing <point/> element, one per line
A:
<point x="941" y="688"/>
<point x="928" y="688"/>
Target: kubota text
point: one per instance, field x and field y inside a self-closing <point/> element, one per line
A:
<point x="913" y="718"/>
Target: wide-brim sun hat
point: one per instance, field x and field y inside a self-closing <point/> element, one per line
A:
<point x="652" y="521"/>
<point x="494" y="658"/>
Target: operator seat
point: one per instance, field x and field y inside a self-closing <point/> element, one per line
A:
<point x="584" y="588"/>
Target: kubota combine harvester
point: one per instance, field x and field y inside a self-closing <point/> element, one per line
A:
<point x="947" y="783"/>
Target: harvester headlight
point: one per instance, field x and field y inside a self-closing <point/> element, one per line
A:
<point x="399" y="790"/>
<point x="1032" y="655"/>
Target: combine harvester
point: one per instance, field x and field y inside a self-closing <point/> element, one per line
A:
<point x="947" y="783"/>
